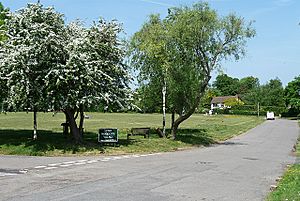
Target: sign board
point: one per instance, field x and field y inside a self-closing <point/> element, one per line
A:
<point x="108" y="135"/>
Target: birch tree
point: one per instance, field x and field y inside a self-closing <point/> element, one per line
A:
<point x="149" y="57"/>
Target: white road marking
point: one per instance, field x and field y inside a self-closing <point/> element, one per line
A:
<point x="54" y="164"/>
<point x="7" y="174"/>
<point x="66" y="165"/>
<point x="50" y="168"/>
<point x="154" y="154"/>
<point x="116" y="158"/>
<point x="68" y="162"/>
<point x="82" y="162"/>
<point x="92" y="161"/>
<point x="126" y="157"/>
<point x="23" y="171"/>
<point x="79" y="161"/>
<point x="39" y="167"/>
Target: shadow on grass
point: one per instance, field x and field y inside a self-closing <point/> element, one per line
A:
<point x="194" y="137"/>
<point x="20" y="142"/>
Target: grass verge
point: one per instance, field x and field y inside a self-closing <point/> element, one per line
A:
<point x="289" y="187"/>
<point x="199" y="130"/>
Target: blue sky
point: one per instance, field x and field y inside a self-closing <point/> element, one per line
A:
<point x="274" y="52"/>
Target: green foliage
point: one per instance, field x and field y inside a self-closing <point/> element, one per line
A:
<point x="199" y="40"/>
<point x="31" y="49"/>
<point x="228" y="86"/>
<point x="252" y="110"/>
<point x="292" y="96"/>
<point x="47" y="65"/>
<point x="204" y="105"/>
<point x="251" y="92"/>
<point x="92" y="71"/>
<point x="247" y="84"/>
<point x="270" y="94"/>
<point x="233" y="102"/>
<point x="147" y="98"/>
<point x="273" y="93"/>
<point x="148" y="50"/>
<point x="184" y="48"/>
<point x="221" y="111"/>
<point x="3" y="17"/>
<point x="254" y="96"/>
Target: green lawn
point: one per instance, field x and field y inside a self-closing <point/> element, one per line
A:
<point x="16" y="133"/>
<point x="289" y="187"/>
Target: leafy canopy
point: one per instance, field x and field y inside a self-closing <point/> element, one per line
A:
<point x="33" y="46"/>
<point x="199" y="39"/>
<point x="48" y="65"/>
<point x="292" y="94"/>
<point x="184" y="48"/>
<point x="93" y="70"/>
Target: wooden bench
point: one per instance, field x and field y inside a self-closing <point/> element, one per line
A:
<point x="139" y="131"/>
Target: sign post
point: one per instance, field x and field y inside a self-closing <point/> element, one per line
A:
<point x="108" y="135"/>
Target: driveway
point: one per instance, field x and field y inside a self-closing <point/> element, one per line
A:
<point x="242" y="168"/>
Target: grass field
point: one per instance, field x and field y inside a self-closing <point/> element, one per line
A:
<point x="16" y="133"/>
<point x="289" y="187"/>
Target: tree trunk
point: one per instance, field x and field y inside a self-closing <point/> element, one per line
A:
<point x="174" y="129"/>
<point x="172" y="119"/>
<point x="73" y="126"/>
<point x="34" y="124"/>
<point x="81" y="111"/>
<point x="66" y="126"/>
<point x="164" y="90"/>
<point x="160" y="133"/>
<point x="184" y="117"/>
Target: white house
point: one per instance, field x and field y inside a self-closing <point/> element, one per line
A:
<point x="219" y="101"/>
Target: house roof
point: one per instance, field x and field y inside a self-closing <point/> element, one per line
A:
<point x="221" y="99"/>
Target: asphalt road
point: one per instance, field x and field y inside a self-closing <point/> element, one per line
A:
<point x="240" y="169"/>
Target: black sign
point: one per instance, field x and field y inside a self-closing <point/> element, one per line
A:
<point x="108" y="135"/>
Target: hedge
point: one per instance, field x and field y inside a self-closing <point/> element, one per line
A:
<point x="251" y="110"/>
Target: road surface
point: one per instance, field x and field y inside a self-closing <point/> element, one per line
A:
<point x="242" y="168"/>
